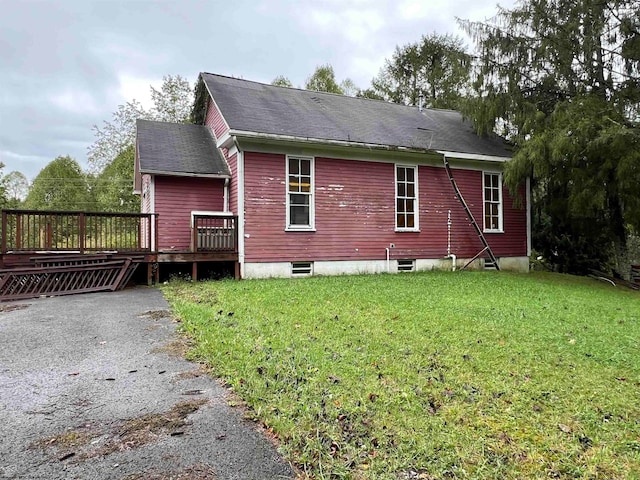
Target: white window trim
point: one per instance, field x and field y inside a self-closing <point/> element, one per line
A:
<point x="500" y="228"/>
<point x="416" y="212"/>
<point x="312" y="200"/>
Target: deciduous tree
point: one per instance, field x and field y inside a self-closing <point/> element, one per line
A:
<point x="113" y="187"/>
<point x="437" y="66"/>
<point x="171" y="103"/>
<point x="324" y="80"/>
<point x="16" y="187"/>
<point x="61" y="185"/>
<point x="282" y="81"/>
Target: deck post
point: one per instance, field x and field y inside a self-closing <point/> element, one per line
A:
<point x="4" y="232"/>
<point x="155" y="233"/>
<point x="194" y="271"/>
<point x="18" y="244"/>
<point x="194" y="233"/>
<point x="81" y="230"/>
<point x="235" y="236"/>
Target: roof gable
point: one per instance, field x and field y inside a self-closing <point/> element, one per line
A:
<point x="268" y="109"/>
<point x="178" y="148"/>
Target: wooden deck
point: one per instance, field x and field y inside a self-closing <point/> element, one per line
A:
<point x="43" y="241"/>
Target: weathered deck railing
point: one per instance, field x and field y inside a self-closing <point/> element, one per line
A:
<point x="36" y="230"/>
<point x="214" y="232"/>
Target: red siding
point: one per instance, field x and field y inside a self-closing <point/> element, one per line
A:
<point x="214" y="120"/>
<point x="513" y="242"/>
<point x="232" y="161"/>
<point x="355" y="213"/>
<point x="175" y="199"/>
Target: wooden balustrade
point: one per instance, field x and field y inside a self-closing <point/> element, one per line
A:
<point x="34" y="230"/>
<point x="214" y="233"/>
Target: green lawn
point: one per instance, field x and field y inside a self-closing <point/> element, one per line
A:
<point x="430" y="375"/>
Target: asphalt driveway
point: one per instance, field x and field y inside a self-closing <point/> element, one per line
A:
<point x="92" y="387"/>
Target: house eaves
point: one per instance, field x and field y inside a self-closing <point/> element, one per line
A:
<point x="185" y="174"/>
<point x="474" y="156"/>
<point x="228" y="139"/>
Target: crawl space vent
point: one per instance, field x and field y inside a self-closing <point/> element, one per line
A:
<point x="406" y="265"/>
<point x="301" y="268"/>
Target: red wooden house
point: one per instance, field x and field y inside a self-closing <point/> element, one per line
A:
<point x="289" y="182"/>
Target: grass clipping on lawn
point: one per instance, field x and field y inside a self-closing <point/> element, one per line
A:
<point x="430" y="375"/>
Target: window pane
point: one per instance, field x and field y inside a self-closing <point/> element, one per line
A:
<point x="305" y="184"/>
<point x="409" y="174"/>
<point x="410" y="204"/>
<point x="496" y="195"/>
<point x="488" y="180"/>
<point x="410" y="223"/>
<point x="402" y="191"/>
<point x="299" y="199"/>
<point x="293" y="166"/>
<point x="401" y="174"/>
<point x="411" y="190"/>
<point x="293" y="183"/>
<point x="305" y="167"/>
<point x="400" y="220"/>
<point x="299" y="215"/>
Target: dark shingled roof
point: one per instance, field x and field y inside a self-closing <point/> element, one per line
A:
<point x="257" y="107"/>
<point x="178" y="148"/>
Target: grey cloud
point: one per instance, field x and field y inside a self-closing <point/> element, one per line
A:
<point x="56" y="51"/>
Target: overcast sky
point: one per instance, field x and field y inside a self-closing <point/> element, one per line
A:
<point x="65" y="65"/>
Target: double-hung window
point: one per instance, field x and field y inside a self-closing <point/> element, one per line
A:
<point x="406" y="198"/>
<point x="492" y="199"/>
<point x="300" y="202"/>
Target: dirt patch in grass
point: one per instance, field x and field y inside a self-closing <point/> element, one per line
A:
<point x="90" y="441"/>
<point x="175" y="348"/>
<point x="12" y="307"/>
<point x="155" y="314"/>
<point x="194" y="472"/>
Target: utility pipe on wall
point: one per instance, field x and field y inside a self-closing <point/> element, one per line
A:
<point x="388" y="250"/>
<point x="450" y="255"/>
<point x="388" y="262"/>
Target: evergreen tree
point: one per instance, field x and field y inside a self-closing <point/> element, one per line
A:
<point x="559" y="78"/>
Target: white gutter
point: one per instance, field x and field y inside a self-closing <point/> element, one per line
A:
<point x="225" y="201"/>
<point x="152" y="207"/>
<point x="240" y="212"/>
<point x="234" y="135"/>
<point x="474" y="156"/>
<point x="186" y="174"/>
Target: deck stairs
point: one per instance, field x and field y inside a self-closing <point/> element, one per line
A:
<point x="66" y="274"/>
<point x="492" y="262"/>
